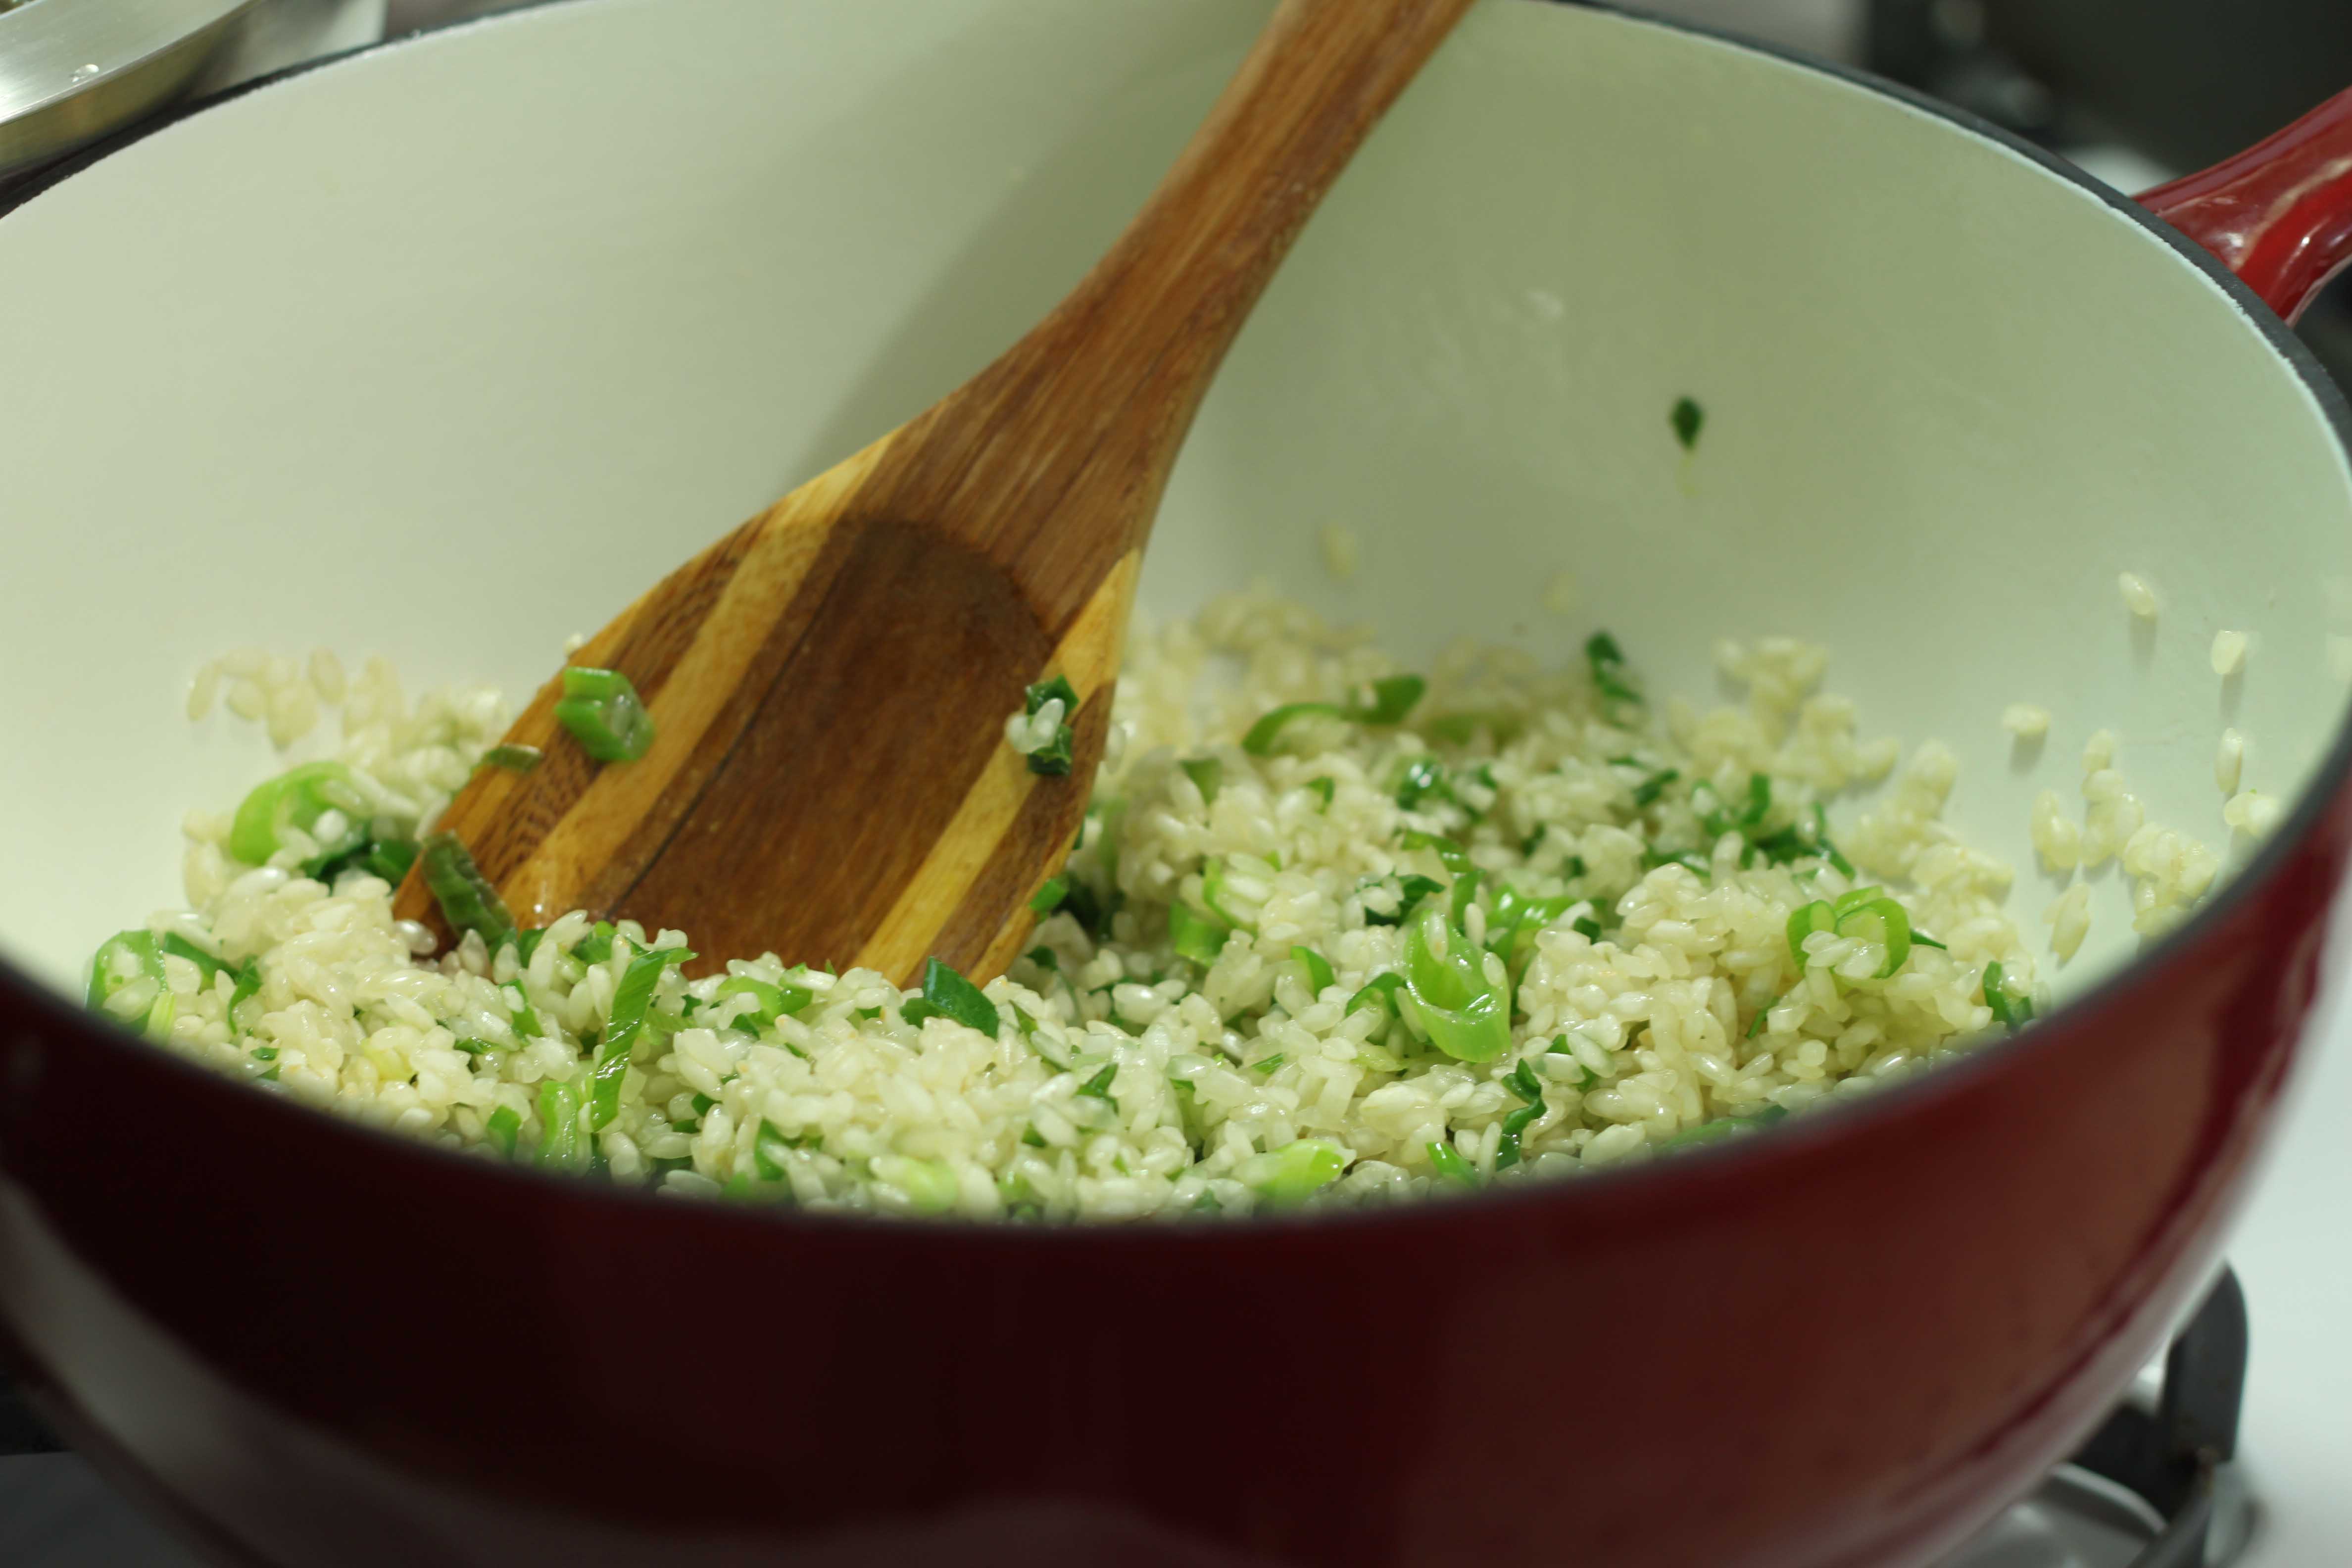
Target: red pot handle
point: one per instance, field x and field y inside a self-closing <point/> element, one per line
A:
<point x="2279" y="214"/>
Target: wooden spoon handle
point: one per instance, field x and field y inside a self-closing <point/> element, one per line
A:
<point x="1138" y="342"/>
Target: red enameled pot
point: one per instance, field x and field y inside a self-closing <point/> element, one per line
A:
<point x="548" y="266"/>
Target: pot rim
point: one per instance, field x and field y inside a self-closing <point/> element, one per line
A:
<point x="1740" y="1159"/>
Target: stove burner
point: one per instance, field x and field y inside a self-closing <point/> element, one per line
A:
<point x="2156" y="1485"/>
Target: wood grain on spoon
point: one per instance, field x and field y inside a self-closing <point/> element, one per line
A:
<point x="830" y="780"/>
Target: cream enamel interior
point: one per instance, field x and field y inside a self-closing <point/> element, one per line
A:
<point x="444" y="351"/>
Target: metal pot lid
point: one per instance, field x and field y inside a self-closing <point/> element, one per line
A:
<point x="72" y="70"/>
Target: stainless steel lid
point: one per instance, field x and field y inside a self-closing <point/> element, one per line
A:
<point x="72" y="70"/>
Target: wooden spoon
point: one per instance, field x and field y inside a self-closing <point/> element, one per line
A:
<point x="830" y="779"/>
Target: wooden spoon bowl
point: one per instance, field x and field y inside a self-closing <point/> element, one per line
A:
<point x="830" y="682"/>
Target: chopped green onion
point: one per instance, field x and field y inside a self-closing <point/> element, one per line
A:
<point x="1319" y="977"/>
<point x="178" y="946"/>
<point x="1391" y="700"/>
<point x="1378" y="992"/>
<point x="1687" y="419"/>
<point x="1466" y="893"/>
<point x="1607" y="662"/>
<point x="1880" y="920"/>
<point x="597" y="945"/>
<point x="518" y="1010"/>
<point x="1422" y="777"/>
<point x="468" y="900"/>
<point x="123" y="958"/>
<point x="1208" y="775"/>
<point x="953" y="996"/>
<point x="1449" y="1162"/>
<point x="298" y="799"/>
<point x="1515" y="915"/>
<point x="605" y="714"/>
<point x="1646" y="792"/>
<point x="1803" y="922"/>
<point x="267" y="1052"/>
<point x="1447" y="998"/>
<point x="1524" y="1083"/>
<point x="1921" y="939"/>
<point x="1724" y="1127"/>
<point x="1267" y="1064"/>
<point x="773" y="1001"/>
<point x="631" y="999"/>
<point x="249" y="985"/>
<point x="768" y="1150"/>
<point x="388" y="859"/>
<point x="471" y="1047"/>
<point x="1293" y="1172"/>
<point x="1093" y="913"/>
<point x="1689" y="860"/>
<point x="1048" y="897"/>
<point x="558" y="1122"/>
<point x="1058" y="689"/>
<point x="514" y="759"/>
<point x="1855" y="897"/>
<point x="1323" y="787"/>
<point x="1586" y="927"/>
<point x="1212" y="893"/>
<point x="1194" y="935"/>
<point x="2010" y="1010"/>
<point x="1099" y="1085"/>
<point x="1410" y="890"/>
<point x="1054" y="758"/>
<point x="1450" y="854"/>
<point x="500" y="1129"/>
<point x="1757" y="1027"/>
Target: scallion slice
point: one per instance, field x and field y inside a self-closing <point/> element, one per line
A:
<point x="1378" y="992"/>
<point x="1450" y="853"/>
<point x="1524" y="1083"/>
<point x="1194" y="935"/>
<point x="1447" y="998"/>
<point x="1803" y="922"/>
<point x="298" y="799"/>
<point x="558" y="1124"/>
<point x="1293" y="1172"/>
<point x="1449" y="1162"/>
<point x="468" y="900"/>
<point x="1208" y="775"/>
<point x="1880" y="921"/>
<point x="631" y="999"/>
<point x="1319" y="977"/>
<point x="605" y="714"/>
<point x="773" y="1001"/>
<point x="1053" y="759"/>
<point x="2010" y="1010"/>
<point x="947" y="994"/>
<point x="1385" y="706"/>
<point x="126" y="957"/>
<point x="500" y="1129"/>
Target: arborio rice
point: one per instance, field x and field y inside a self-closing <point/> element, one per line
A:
<point x="1541" y="925"/>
